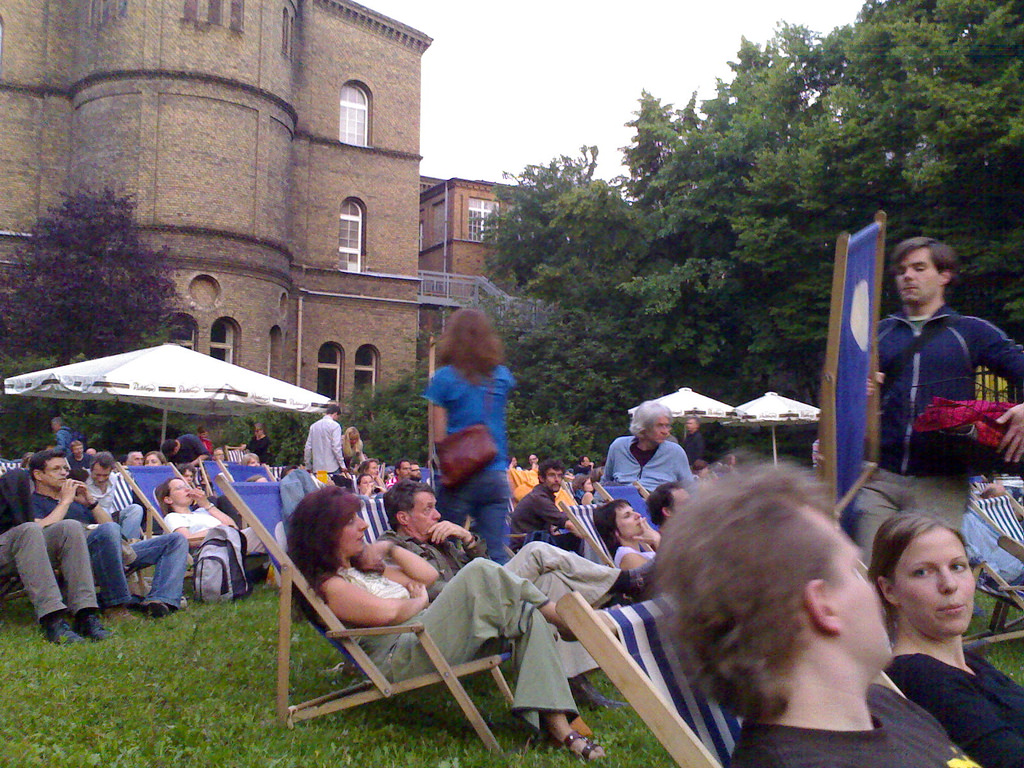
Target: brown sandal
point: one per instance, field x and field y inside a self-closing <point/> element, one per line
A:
<point x="582" y="747"/>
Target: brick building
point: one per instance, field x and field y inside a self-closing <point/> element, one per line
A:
<point x="271" y="145"/>
<point x="453" y="254"/>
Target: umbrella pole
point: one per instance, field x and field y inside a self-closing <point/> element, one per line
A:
<point x="775" y="452"/>
<point x="163" y="427"/>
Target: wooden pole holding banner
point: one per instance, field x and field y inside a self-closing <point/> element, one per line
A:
<point x="827" y="468"/>
<point x="872" y="438"/>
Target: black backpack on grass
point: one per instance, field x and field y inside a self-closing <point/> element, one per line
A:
<point x="219" y="575"/>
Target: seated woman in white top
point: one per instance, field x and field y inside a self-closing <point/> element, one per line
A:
<point x="176" y="504"/>
<point x="626" y="533"/>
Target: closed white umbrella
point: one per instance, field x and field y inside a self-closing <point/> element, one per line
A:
<point x="773" y="409"/>
<point x="169" y="377"/>
<point x="687" y="403"/>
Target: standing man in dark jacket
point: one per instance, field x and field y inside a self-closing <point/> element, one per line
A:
<point x="924" y="351"/>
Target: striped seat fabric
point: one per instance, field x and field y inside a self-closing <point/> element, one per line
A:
<point x="582" y="516"/>
<point x="640" y="631"/>
<point x="1000" y="510"/>
<point x="374" y="514"/>
<point x="121" y="494"/>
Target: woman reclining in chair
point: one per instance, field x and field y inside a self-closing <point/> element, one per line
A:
<point x="384" y="585"/>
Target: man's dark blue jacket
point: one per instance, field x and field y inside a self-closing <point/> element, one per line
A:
<point x="943" y="367"/>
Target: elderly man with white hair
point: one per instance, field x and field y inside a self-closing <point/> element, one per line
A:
<point x="646" y="454"/>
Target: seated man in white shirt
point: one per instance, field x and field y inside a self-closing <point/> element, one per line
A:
<point x="177" y="498"/>
<point x="114" y="497"/>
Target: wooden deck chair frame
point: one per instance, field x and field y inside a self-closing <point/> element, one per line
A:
<point x="583" y="531"/>
<point x="644" y="493"/>
<point x="1001" y="628"/>
<point x="602" y="494"/>
<point x="378" y="687"/>
<point x="658" y="714"/>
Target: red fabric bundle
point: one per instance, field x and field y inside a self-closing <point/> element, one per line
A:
<point x="953" y="414"/>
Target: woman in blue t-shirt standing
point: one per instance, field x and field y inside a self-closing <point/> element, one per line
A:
<point x="472" y="388"/>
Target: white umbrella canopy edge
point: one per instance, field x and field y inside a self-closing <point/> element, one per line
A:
<point x="772" y="407"/>
<point x="772" y="410"/>
<point x="685" y="403"/>
<point x="169" y="377"/>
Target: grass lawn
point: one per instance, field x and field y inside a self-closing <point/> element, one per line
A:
<point x="196" y="689"/>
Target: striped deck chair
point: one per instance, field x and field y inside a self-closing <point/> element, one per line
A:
<point x="1000" y="513"/>
<point x="8" y="464"/>
<point x="376" y="686"/>
<point x="582" y="518"/>
<point x="373" y="512"/>
<point x="696" y="732"/>
<point x="235" y="455"/>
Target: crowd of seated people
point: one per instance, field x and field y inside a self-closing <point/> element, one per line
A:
<point x="425" y="569"/>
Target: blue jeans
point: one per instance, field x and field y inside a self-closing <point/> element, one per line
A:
<point x="168" y="553"/>
<point x="130" y="520"/>
<point x="484" y="498"/>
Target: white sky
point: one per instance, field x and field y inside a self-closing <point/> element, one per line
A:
<point x="510" y="84"/>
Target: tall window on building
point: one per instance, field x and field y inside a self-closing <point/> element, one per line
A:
<point x="350" y="236"/>
<point x="287" y="32"/>
<point x="366" y="368"/>
<point x="213" y="12"/>
<point x="191" y="10"/>
<point x="437" y="223"/>
<point x="223" y="339"/>
<point x="237" y="14"/>
<point x="1" y="45"/>
<point x="355" y="108"/>
<point x="275" y="353"/>
<point x="329" y="361"/>
<point x="184" y="330"/>
<point x="479" y="212"/>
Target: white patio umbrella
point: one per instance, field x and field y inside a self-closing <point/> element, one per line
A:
<point x="169" y="377"/>
<point x="687" y="403"/>
<point x="772" y="410"/>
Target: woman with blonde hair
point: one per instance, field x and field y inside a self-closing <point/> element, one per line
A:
<point x="470" y="388"/>
<point x="352" y="448"/>
<point x="919" y="566"/>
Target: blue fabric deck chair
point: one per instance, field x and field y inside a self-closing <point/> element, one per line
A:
<point x="241" y="472"/>
<point x="376" y="686"/>
<point x="582" y="518"/>
<point x="695" y="731"/>
<point x="375" y="515"/>
<point x="264" y="499"/>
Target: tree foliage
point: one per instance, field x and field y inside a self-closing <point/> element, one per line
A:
<point x="709" y="263"/>
<point x="85" y="285"/>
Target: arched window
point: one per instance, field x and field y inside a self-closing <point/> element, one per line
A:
<point x="350" y="236"/>
<point x="224" y="339"/>
<point x="355" y="108"/>
<point x="184" y="330"/>
<point x="275" y="352"/>
<point x="366" y="367"/>
<point x="329" y="361"/>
